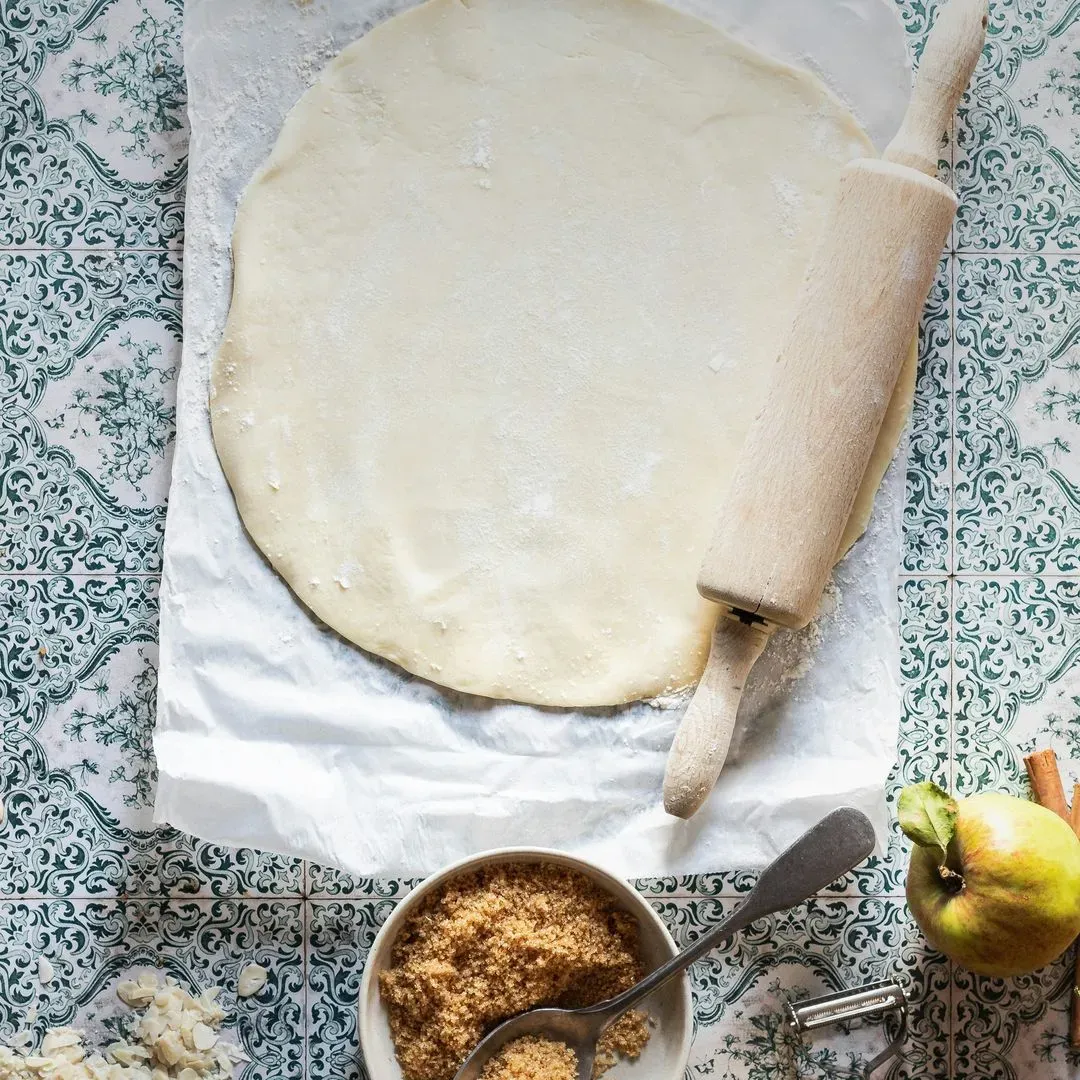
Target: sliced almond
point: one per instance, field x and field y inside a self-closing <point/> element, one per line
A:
<point x="252" y="979"/>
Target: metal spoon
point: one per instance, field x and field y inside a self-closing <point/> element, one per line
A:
<point x="840" y="841"/>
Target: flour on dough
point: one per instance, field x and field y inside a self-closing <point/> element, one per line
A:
<point x="506" y="295"/>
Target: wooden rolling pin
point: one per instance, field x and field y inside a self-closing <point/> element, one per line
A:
<point x="804" y="457"/>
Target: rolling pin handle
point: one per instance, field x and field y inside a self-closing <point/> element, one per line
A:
<point x="704" y="734"/>
<point x="945" y="69"/>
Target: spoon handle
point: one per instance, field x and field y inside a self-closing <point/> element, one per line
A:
<point x="832" y="847"/>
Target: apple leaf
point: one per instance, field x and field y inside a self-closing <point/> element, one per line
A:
<point x="927" y="815"/>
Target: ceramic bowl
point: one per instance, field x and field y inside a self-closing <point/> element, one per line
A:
<point x="670" y="1009"/>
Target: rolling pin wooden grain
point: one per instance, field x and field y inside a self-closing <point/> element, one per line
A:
<point x="804" y="457"/>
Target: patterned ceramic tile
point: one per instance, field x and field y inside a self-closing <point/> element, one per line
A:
<point x="1017" y="414"/>
<point x="1014" y="1029"/>
<point x="58" y="633"/>
<point x="59" y="305"/>
<point x="1016" y="140"/>
<point x="917" y="17"/>
<point x="91" y="945"/>
<point x="1017" y="688"/>
<point x="1017" y="642"/>
<point x="924" y="741"/>
<point x="115" y="416"/>
<point x="340" y="934"/>
<point x="90" y="343"/>
<point x="929" y="473"/>
<point x="77" y="686"/>
<point x="325" y="882"/>
<point x="739" y="990"/>
<point x="58" y="840"/>
<point x="94" y="124"/>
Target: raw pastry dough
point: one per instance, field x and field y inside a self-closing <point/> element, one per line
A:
<point x="507" y="292"/>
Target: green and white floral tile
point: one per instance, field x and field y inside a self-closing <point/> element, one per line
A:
<point x="78" y="684"/>
<point x="91" y="945"/>
<point x="1016" y="678"/>
<point x="328" y="882"/>
<point x="115" y="415"/>
<point x="923" y="746"/>
<point x="58" y="633"/>
<point x="58" y="840"/>
<point x="927" y="504"/>
<point x="1016" y="145"/>
<point x="339" y="936"/>
<point x="916" y="16"/>
<point x="56" y="517"/>
<point x="1017" y="370"/>
<point x="95" y="124"/>
<point x="59" y="306"/>
<point x="1014" y="1029"/>
<point x="51" y="834"/>
<point x="89" y="343"/>
<point x="829" y="944"/>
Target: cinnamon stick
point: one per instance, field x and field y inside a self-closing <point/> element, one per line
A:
<point x="1074" y="998"/>
<point x="1074" y="1005"/>
<point x="1045" y="780"/>
<point x="1042" y="769"/>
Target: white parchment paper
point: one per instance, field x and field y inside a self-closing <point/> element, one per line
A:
<point x="274" y="733"/>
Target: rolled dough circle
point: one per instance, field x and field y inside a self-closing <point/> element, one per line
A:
<point x="506" y="295"/>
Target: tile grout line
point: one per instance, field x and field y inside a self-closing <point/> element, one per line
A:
<point x="140" y="575"/>
<point x="902" y="575"/>
<point x="92" y="250"/>
<point x="951" y="598"/>
<point x="362" y="898"/>
<point x="951" y="705"/>
<point x="143" y="898"/>
<point x="305" y="916"/>
<point x="1007" y="252"/>
<point x="951" y="585"/>
<point x="951" y="384"/>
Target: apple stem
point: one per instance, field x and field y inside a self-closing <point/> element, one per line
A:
<point x="954" y="882"/>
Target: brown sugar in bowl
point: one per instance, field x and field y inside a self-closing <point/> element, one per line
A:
<point x="670" y="1010"/>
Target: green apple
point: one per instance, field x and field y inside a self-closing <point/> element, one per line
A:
<point x="994" y="881"/>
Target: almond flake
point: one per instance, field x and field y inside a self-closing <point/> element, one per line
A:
<point x="252" y="979"/>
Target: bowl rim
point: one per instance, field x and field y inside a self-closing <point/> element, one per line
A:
<point x="623" y="889"/>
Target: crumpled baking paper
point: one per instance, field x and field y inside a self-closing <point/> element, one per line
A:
<point x="274" y="733"/>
